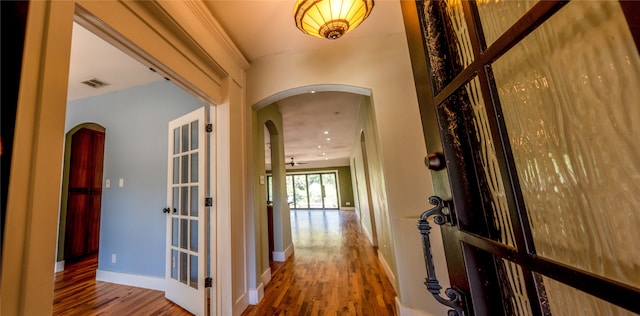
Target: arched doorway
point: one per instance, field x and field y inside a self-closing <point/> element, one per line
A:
<point x="277" y="218"/>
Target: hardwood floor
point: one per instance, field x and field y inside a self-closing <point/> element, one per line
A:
<point x="334" y="271"/>
<point x="76" y="292"/>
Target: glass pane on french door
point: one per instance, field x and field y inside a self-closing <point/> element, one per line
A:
<point x="315" y="191"/>
<point x="311" y="191"/>
<point x="300" y="194"/>
<point x="290" y="195"/>
<point x="569" y="94"/>
<point x="184" y="236"/>
<point x="330" y="190"/>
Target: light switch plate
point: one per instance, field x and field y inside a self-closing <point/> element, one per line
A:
<point x="121" y="183"/>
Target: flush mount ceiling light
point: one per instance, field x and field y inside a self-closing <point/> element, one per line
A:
<point x="330" y="18"/>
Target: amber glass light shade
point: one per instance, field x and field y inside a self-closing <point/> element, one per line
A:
<point x="330" y="18"/>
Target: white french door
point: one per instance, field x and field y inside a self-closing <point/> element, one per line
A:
<point x="187" y="187"/>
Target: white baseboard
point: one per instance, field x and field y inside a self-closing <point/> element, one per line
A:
<point x="281" y="256"/>
<point x="256" y="295"/>
<point x="366" y="233"/>
<point x="143" y="281"/>
<point x="278" y="256"/>
<point x="387" y="271"/>
<point x="347" y="208"/>
<point x="59" y="266"/>
<point x="266" y="276"/>
<point x="288" y="252"/>
<point x="241" y="303"/>
<point x="407" y="311"/>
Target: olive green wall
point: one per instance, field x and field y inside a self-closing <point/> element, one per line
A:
<point x="346" y="187"/>
<point x="271" y="117"/>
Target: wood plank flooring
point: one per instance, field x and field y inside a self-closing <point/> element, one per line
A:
<point x="334" y="271"/>
<point x="76" y="292"/>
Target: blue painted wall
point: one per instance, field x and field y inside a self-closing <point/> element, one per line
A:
<point x="136" y="120"/>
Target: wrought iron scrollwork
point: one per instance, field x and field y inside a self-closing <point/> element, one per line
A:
<point x="441" y="215"/>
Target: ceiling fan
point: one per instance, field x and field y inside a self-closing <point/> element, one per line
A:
<point x="294" y="163"/>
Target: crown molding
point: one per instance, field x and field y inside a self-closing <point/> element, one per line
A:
<point x="197" y="27"/>
<point x="200" y="10"/>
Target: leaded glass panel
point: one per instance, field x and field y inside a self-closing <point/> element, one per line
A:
<point x="569" y="95"/>
<point x="497" y="16"/>
<point x="566" y="300"/>
<point x="464" y="51"/>
<point x="491" y="176"/>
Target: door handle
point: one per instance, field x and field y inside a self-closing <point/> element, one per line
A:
<point x="435" y="161"/>
<point x="454" y="300"/>
<point x="166" y="210"/>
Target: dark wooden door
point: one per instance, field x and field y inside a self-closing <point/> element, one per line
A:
<point x="533" y="153"/>
<point x="270" y="229"/>
<point x="82" y="234"/>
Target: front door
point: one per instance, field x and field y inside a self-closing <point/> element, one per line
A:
<point x="186" y="266"/>
<point x="529" y="110"/>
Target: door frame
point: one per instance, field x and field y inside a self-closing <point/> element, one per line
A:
<point x="34" y="188"/>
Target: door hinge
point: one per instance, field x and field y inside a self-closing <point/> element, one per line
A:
<point x="208" y="201"/>
<point x="209" y="128"/>
<point x="208" y="282"/>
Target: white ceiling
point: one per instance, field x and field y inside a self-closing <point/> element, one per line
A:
<point x="319" y="128"/>
<point x="259" y="28"/>
<point x="267" y="27"/>
<point x="92" y="57"/>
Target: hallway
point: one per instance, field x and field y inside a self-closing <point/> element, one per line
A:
<point x="333" y="271"/>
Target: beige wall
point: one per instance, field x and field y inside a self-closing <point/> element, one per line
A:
<point x="372" y="194"/>
<point x="381" y="66"/>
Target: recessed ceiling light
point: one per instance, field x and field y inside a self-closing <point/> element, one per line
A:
<point x="328" y="139"/>
<point x="313" y="91"/>
<point x="319" y="146"/>
<point x="326" y="132"/>
<point x="326" y="158"/>
<point x="324" y="154"/>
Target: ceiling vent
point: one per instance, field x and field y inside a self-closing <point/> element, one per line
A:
<point x="95" y="83"/>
